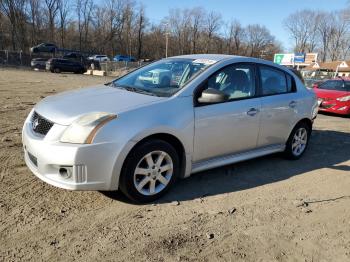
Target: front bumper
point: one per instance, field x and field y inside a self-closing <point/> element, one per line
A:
<point x="335" y="107"/>
<point x="49" y="67"/>
<point x="90" y="166"/>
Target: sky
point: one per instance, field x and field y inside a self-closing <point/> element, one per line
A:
<point x="270" y="13"/>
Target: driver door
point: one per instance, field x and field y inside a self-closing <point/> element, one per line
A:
<point x="231" y="126"/>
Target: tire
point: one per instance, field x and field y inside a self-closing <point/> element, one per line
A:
<point x="57" y="70"/>
<point x="299" y="131"/>
<point x="139" y="159"/>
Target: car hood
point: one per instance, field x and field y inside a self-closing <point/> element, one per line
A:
<point x="65" y="107"/>
<point x="330" y="94"/>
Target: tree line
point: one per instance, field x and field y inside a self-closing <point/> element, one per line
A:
<point x="326" y="33"/>
<point x="122" y="27"/>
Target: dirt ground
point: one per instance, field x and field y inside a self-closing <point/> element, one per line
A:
<point x="267" y="209"/>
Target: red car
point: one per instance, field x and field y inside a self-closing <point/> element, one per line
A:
<point x="334" y="95"/>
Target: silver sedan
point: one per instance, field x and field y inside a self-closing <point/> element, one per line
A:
<point x="165" y="121"/>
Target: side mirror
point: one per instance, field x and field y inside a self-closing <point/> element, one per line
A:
<point x="212" y="95"/>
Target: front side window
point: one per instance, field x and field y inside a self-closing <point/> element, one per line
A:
<point x="237" y="81"/>
<point x="163" y="78"/>
<point x="274" y="81"/>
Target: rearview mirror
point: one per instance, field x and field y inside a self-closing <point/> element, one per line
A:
<point x="212" y="95"/>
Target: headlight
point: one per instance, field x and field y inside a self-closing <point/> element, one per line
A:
<point x="84" y="129"/>
<point x="344" y="98"/>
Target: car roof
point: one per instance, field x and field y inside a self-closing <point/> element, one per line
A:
<point x="216" y="57"/>
<point x="231" y="58"/>
<point x="221" y="57"/>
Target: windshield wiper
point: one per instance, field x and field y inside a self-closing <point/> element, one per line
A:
<point x="134" y="89"/>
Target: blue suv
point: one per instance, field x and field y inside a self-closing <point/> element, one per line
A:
<point x="125" y="58"/>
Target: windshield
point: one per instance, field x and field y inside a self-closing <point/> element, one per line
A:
<point x="337" y="85"/>
<point x="163" y="78"/>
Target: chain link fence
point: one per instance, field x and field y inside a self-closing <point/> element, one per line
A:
<point x="19" y="58"/>
<point x="113" y="66"/>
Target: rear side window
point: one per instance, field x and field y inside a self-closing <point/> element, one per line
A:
<point x="274" y="81"/>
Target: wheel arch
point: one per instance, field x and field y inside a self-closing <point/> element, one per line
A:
<point x="303" y="120"/>
<point x="172" y="140"/>
<point x="306" y="121"/>
<point x="185" y="162"/>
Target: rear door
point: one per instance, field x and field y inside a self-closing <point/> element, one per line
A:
<point x="279" y="105"/>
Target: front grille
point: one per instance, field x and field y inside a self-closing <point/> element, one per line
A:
<point x="40" y="125"/>
<point x="327" y="106"/>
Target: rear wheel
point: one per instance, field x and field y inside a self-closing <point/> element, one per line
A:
<point x="298" y="141"/>
<point x="149" y="171"/>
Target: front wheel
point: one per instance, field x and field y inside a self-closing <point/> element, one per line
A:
<point x="298" y="141"/>
<point x="149" y="171"/>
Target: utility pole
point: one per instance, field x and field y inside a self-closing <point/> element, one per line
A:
<point x="166" y="39"/>
<point x="166" y="44"/>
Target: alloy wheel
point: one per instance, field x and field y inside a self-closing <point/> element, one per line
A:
<point x="153" y="173"/>
<point x="299" y="141"/>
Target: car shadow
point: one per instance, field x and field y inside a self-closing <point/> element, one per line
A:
<point x="327" y="149"/>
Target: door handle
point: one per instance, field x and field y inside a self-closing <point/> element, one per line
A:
<point x="252" y="112"/>
<point x="292" y="104"/>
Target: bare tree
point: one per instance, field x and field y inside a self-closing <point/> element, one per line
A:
<point x="212" y="25"/>
<point x="197" y="21"/>
<point x="63" y="12"/>
<point x="179" y="22"/>
<point x="324" y="29"/>
<point x="339" y="42"/>
<point x="313" y="35"/>
<point x="129" y="18"/>
<point x="300" y="27"/>
<point x="235" y="37"/>
<point x="14" y="11"/>
<point x="51" y="9"/>
<point x="2" y="31"/>
<point x="83" y="11"/>
<point x="141" y="25"/>
<point x="115" y="17"/>
<point x="121" y="27"/>
<point x="258" y="39"/>
<point x="34" y="14"/>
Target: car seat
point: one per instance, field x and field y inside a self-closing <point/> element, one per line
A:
<point x="271" y="85"/>
<point x="239" y="84"/>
